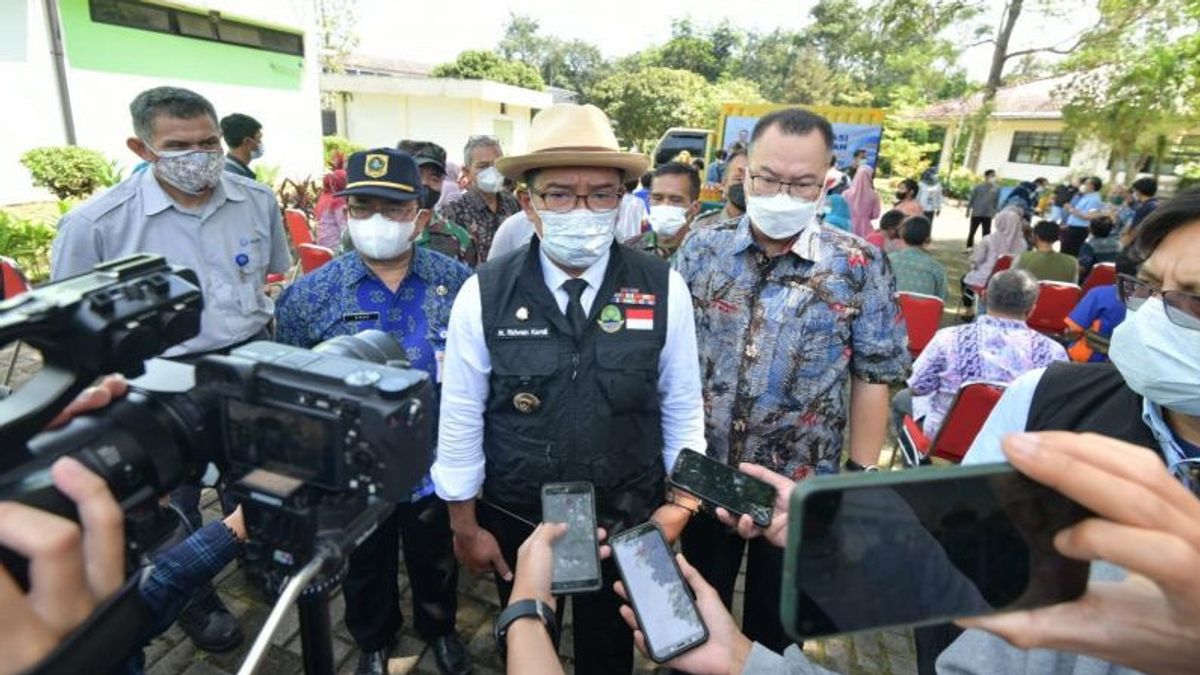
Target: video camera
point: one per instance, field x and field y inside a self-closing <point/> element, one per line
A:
<point x="315" y="444"/>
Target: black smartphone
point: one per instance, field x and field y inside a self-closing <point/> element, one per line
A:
<point x="666" y="612"/>
<point x="577" y="552"/>
<point x="878" y="550"/>
<point x="720" y="485"/>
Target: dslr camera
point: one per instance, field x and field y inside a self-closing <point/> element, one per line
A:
<point x="315" y="444"/>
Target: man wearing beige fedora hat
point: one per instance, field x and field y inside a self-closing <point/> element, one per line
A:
<point x="572" y="358"/>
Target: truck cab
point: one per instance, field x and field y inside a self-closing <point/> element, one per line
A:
<point x="678" y="139"/>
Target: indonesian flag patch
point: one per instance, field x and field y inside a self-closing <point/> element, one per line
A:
<point x="639" y="318"/>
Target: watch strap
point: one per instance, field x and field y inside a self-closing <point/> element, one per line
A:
<point x="521" y="609"/>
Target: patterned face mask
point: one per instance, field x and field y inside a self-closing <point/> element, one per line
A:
<point x="192" y="171"/>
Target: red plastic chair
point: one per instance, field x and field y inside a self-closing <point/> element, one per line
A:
<point x="964" y="419"/>
<point x="298" y="228"/>
<point x="922" y="316"/>
<point x="1102" y="274"/>
<point x="12" y="284"/>
<point x="1054" y="302"/>
<point x="313" y="256"/>
<point x="1003" y="263"/>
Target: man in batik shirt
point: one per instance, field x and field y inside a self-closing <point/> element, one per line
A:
<point x="788" y="312"/>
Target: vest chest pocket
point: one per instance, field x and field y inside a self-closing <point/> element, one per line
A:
<point x="521" y="373"/>
<point x="628" y="374"/>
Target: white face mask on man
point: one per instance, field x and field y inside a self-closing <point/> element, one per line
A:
<point x="379" y="238"/>
<point x="577" y="239"/>
<point x="1159" y="360"/>
<point x="781" y="216"/>
<point x="667" y="220"/>
<point x="490" y="180"/>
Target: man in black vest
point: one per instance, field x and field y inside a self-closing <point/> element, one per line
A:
<point x="570" y="359"/>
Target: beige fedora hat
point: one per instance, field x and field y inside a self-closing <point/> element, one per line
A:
<point x="568" y="134"/>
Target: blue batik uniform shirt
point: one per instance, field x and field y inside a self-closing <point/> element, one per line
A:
<point x="344" y="297"/>
<point x="779" y="338"/>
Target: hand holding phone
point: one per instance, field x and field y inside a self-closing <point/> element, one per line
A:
<point x="662" y="604"/>
<point x="577" y="551"/>
<point x="776" y="531"/>
<point x="723" y="486"/>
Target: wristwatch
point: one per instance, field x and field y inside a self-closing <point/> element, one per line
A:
<point x="854" y="466"/>
<point x="522" y="609"/>
<point x="684" y="500"/>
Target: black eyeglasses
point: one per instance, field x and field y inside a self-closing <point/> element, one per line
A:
<point x="1182" y="308"/>
<point x="560" y="200"/>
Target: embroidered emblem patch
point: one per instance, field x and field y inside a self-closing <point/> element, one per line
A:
<point x="610" y="319"/>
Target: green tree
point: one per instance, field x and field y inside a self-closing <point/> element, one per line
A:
<point x="571" y="64"/>
<point x="521" y="41"/>
<point x="484" y="65"/>
<point x="788" y="69"/>
<point x="644" y="103"/>
<point x="1136" y="77"/>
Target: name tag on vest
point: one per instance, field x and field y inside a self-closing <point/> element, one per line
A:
<point x="530" y="332"/>
<point x="360" y="316"/>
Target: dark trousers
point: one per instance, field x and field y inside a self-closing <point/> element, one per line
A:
<point x="930" y="642"/>
<point x="978" y="222"/>
<point x="716" y="552"/>
<point x="372" y="591"/>
<point x="603" y="643"/>
<point x="1071" y="240"/>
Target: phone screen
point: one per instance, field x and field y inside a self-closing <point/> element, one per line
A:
<point x="724" y="486"/>
<point x="576" y="553"/>
<point x="954" y="542"/>
<point x="666" y="612"/>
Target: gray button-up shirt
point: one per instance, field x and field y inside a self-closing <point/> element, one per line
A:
<point x="231" y="242"/>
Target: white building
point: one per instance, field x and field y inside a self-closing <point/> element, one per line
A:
<point x="378" y="102"/>
<point x="256" y="57"/>
<point x="1026" y="137"/>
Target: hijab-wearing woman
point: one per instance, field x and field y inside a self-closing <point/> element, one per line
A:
<point x="1007" y="238"/>
<point x="863" y="201"/>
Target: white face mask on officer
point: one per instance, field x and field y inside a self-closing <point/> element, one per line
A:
<point x="667" y="220"/>
<point x="781" y="216"/>
<point x="379" y="238"/>
<point x="577" y="239"/>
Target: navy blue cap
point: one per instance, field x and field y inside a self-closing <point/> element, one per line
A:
<point x="382" y="172"/>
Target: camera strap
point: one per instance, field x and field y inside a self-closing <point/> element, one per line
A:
<point x="110" y="636"/>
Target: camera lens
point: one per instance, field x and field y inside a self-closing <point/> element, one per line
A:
<point x="372" y="345"/>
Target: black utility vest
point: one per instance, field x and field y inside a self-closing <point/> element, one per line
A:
<point x="1089" y="397"/>
<point x="558" y="410"/>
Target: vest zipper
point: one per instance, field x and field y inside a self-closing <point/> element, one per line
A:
<point x="574" y="366"/>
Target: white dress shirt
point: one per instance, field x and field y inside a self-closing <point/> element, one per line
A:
<point x="458" y="471"/>
<point x="513" y="233"/>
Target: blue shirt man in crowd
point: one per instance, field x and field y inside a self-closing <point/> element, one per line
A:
<point x="388" y="284"/>
<point x="1080" y="212"/>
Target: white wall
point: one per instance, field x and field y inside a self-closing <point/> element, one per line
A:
<point x="290" y="118"/>
<point x="30" y="116"/>
<point x="380" y="120"/>
<point x="1087" y="158"/>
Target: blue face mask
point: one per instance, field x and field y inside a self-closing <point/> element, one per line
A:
<point x="1158" y="359"/>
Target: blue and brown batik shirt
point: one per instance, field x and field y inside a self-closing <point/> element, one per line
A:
<point x="779" y="337"/>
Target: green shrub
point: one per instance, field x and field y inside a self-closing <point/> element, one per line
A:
<point x="267" y="174"/>
<point x="960" y="182"/>
<point x="1189" y="175"/>
<point x="27" y="242"/>
<point x="70" y="171"/>
<point x="338" y="144"/>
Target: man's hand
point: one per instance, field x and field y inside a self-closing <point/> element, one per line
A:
<point x="478" y="550"/>
<point x="535" y="563"/>
<point x="70" y="571"/>
<point x="776" y="531"/>
<point x="110" y="388"/>
<point x="725" y="651"/>
<point x="672" y="518"/>
<point x="1147" y="523"/>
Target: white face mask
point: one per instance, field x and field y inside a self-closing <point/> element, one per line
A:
<point x="781" y="216"/>
<point x="490" y="180"/>
<point x="258" y="150"/>
<point x="379" y="238"/>
<point x="1159" y="360"/>
<point x="577" y="239"/>
<point x="667" y="220"/>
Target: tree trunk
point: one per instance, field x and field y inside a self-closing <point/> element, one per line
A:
<point x="1008" y="21"/>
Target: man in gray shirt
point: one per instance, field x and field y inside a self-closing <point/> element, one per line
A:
<point x="225" y="227"/>
<point x="982" y="206"/>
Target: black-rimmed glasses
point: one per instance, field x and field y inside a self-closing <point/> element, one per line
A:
<point x="1182" y="308"/>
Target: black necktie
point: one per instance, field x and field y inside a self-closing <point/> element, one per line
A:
<point x="575" y="314"/>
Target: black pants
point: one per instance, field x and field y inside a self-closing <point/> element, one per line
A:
<point x="1071" y="240"/>
<point x="603" y="643"/>
<point x="930" y="642"/>
<point x="978" y="222"/>
<point x="372" y="591"/>
<point x="716" y="552"/>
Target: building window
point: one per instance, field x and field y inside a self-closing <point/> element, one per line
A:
<point x="1047" y="149"/>
<point x="211" y="26"/>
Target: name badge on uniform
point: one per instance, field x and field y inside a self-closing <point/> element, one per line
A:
<point x="360" y="316"/>
<point x="524" y="333"/>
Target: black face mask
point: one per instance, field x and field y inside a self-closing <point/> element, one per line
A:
<point x="736" y="194"/>
<point x="429" y="198"/>
<point x="901" y="195"/>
